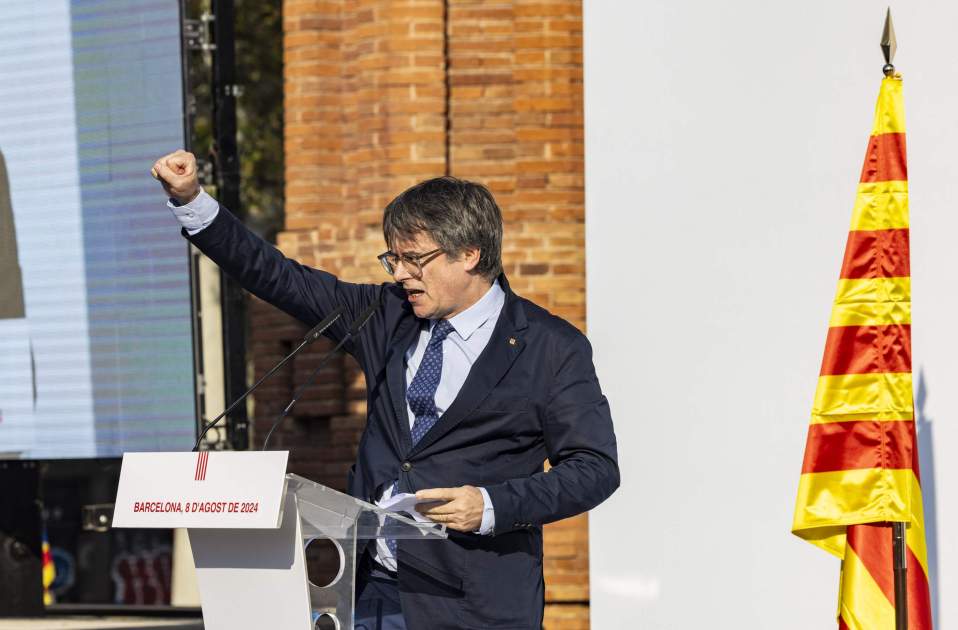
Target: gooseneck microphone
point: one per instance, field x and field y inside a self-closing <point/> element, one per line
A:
<point x="310" y="337"/>
<point x="354" y="328"/>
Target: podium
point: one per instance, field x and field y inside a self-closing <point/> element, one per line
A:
<point x="249" y="525"/>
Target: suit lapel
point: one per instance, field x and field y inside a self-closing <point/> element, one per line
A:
<point x="396" y="376"/>
<point x="497" y="357"/>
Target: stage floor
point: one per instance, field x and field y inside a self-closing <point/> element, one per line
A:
<point x="89" y="622"/>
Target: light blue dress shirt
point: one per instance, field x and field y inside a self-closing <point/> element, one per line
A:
<point x="460" y="349"/>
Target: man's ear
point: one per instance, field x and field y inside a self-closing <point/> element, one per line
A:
<point x="470" y="258"/>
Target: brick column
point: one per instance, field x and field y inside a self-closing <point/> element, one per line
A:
<point x="364" y="118"/>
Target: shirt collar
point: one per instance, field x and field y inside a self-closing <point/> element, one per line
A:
<point x="471" y="319"/>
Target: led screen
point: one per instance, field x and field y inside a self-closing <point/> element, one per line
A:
<point x="95" y="322"/>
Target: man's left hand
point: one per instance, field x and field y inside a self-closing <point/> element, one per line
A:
<point x="457" y="508"/>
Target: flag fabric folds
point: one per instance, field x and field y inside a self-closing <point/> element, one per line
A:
<point x="860" y="470"/>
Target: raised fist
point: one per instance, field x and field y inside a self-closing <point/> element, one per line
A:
<point x="177" y="173"/>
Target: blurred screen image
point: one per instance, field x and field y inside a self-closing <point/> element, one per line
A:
<point x="96" y="352"/>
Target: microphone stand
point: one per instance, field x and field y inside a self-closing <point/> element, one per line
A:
<point x="354" y="328"/>
<point x="310" y="337"/>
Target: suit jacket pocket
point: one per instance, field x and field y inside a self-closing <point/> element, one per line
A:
<point x="504" y="587"/>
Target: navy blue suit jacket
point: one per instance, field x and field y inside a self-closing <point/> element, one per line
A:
<point x="531" y="395"/>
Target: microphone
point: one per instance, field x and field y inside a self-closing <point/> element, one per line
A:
<point x="320" y="328"/>
<point x="310" y="337"/>
<point x="354" y="328"/>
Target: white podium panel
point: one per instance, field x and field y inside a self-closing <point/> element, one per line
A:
<point x="218" y="489"/>
<point x="264" y="565"/>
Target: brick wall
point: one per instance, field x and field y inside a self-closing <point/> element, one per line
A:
<point x="381" y="94"/>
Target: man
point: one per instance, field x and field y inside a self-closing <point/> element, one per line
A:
<point x="470" y="389"/>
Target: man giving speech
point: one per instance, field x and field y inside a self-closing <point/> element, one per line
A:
<point x="470" y="389"/>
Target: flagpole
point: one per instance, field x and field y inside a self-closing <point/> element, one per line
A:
<point x="900" y="562"/>
<point x="899" y="549"/>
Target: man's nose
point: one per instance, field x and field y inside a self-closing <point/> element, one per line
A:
<point x="401" y="273"/>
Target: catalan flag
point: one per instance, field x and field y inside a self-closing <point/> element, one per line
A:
<point x="860" y="471"/>
<point x="48" y="568"/>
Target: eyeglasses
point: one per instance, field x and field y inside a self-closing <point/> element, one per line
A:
<point x="413" y="262"/>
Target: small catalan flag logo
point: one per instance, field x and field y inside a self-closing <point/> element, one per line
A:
<point x="202" y="458"/>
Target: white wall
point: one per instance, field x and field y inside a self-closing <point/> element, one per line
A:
<point x="723" y="145"/>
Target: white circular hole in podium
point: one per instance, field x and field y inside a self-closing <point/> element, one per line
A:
<point x="322" y="555"/>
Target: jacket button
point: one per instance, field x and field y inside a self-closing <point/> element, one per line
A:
<point x="406" y="466"/>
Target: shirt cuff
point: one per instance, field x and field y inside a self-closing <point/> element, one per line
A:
<point x="197" y="214"/>
<point x="488" y="515"/>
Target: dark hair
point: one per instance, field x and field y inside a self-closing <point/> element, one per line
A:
<point x="457" y="214"/>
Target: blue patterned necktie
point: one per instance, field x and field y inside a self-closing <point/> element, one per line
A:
<point x="421" y="394"/>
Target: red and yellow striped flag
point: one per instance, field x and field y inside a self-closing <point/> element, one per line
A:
<point x="49" y="571"/>
<point x="861" y="458"/>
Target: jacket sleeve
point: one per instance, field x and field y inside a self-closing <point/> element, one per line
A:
<point x="580" y="443"/>
<point x="305" y="293"/>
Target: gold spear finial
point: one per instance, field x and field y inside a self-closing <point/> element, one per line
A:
<point x="888" y="44"/>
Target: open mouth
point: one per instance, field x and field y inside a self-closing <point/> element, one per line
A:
<point x="412" y="294"/>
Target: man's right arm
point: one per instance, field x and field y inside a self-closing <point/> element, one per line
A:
<point x="305" y="293"/>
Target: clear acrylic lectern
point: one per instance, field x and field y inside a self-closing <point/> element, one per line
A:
<point x="256" y="578"/>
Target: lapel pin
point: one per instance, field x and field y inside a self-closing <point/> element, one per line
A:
<point x="512" y="341"/>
